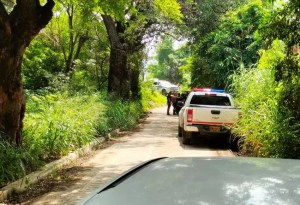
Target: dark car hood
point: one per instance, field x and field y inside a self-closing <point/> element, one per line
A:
<point x="207" y="181"/>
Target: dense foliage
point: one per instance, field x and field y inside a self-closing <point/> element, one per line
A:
<point x="58" y="123"/>
<point x="235" y="42"/>
<point x="257" y="93"/>
<point x="171" y="64"/>
<point x="267" y="93"/>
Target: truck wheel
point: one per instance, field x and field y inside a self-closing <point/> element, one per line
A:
<point x="163" y="92"/>
<point x="235" y="143"/>
<point x="179" y="131"/>
<point x="186" y="137"/>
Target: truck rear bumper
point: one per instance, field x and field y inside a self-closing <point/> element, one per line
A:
<point x="208" y="129"/>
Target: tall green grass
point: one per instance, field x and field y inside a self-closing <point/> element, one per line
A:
<point x="14" y="163"/>
<point x="266" y="132"/>
<point x="255" y="94"/>
<point x="151" y="97"/>
<point x="58" y="123"/>
<point x="123" y="114"/>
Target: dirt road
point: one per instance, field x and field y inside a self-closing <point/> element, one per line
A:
<point x="156" y="137"/>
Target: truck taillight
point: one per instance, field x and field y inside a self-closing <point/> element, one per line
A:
<point x="189" y="115"/>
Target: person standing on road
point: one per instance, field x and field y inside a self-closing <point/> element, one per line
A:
<point x="169" y="102"/>
<point x="174" y="102"/>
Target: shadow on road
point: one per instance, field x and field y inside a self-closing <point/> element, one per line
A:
<point x="204" y="142"/>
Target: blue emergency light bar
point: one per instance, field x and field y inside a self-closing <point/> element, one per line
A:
<point x="208" y="90"/>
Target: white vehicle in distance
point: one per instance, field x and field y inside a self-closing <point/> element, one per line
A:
<point x="165" y="87"/>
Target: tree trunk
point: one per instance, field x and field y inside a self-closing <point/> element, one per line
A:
<point x="17" y="30"/>
<point x="12" y="103"/>
<point x="135" y="87"/>
<point x="118" y="76"/>
<point x="118" y="83"/>
<point x="134" y="67"/>
<point x="69" y="62"/>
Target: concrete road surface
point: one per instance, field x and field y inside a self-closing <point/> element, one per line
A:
<point x="156" y="137"/>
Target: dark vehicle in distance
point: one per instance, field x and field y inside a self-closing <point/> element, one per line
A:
<point x="181" y="98"/>
<point x="204" y="181"/>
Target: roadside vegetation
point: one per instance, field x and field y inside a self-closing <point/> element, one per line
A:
<point x="59" y="123"/>
<point x="257" y="93"/>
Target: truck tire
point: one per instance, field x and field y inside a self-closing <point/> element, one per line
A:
<point x="179" y="131"/>
<point x="235" y="143"/>
<point x="164" y="92"/>
<point x="186" y="137"/>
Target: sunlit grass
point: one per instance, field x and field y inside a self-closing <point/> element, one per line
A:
<point x="266" y="131"/>
<point x="151" y="97"/>
<point x="57" y="124"/>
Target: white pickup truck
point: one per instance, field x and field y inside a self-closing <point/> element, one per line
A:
<point x="209" y="112"/>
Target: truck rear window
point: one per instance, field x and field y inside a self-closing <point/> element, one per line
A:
<point x="210" y="100"/>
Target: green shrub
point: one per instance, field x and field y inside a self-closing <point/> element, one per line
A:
<point x="257" y="93"/>
<point x="123" y="114"/>
<point x="150" y="97"/>
<point x="14" y="163"/>
<point x="41" y="63"/>
<point x="289" y="120"/>
<point x="56" y="124"/>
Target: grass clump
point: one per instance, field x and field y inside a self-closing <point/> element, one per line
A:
<point x="56" y="124"/>
<point x="268" y="126"/>
<point x="151" y="97"/>
<point x="14" y="163"/>
<point x="123" y="114"/>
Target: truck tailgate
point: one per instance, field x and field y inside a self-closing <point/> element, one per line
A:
<point x="214" y="115"/>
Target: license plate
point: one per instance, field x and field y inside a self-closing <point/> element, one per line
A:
<point x="214" y="128"/>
